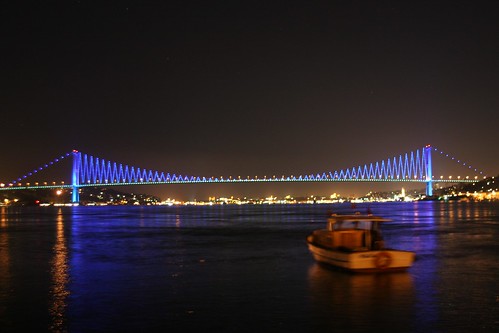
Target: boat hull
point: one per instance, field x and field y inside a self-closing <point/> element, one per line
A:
<point x="362" y="261"/>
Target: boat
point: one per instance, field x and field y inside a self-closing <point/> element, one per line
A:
<point x="355" y="243"/>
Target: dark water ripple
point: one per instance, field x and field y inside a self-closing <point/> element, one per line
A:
<point x="242" y="269"/>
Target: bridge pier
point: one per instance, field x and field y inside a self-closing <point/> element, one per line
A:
<point x="75" y="197"/>
<point x="429" y="173"/>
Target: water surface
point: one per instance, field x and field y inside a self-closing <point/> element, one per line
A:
<point x="242" y="269"/>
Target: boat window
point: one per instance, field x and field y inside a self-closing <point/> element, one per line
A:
<point x="362" y="225"/>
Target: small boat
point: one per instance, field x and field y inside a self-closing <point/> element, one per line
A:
<point x="355" y="243"/>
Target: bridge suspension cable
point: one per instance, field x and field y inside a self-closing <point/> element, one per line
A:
<point x="415" y="166"/>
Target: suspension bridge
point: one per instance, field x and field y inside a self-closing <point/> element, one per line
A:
<point x="90" y="171"/>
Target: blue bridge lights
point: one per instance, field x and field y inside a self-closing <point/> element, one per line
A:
<point x="87" y="170"/>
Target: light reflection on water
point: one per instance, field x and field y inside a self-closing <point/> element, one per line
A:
<point x="5" y="276"/>
<point x="360" y="301"/>
<point x="60" y="278"/>
<point x="242" y="269"/>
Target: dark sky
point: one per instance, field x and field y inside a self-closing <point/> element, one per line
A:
<point x="216" y="88"/>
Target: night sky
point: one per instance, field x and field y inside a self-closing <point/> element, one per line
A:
<point x="219" y="88"/>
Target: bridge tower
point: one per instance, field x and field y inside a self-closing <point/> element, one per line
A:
<point x="429" y="174"/>
<point x="75" y="198"/>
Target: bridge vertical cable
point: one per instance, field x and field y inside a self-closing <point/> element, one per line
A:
<point x="94" y="170"/>
<point x="410" y="165"/>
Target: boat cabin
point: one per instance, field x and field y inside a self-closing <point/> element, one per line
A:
<point x="355" y="232"/>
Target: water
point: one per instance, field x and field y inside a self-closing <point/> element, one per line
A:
<point x="242" y="269"/>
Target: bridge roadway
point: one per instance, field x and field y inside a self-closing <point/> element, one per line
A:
<point x="19" y="186"/>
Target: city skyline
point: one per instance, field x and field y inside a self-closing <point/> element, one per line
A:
<point x="249" y="89"/>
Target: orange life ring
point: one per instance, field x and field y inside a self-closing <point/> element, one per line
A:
<point x="382" y="260"/>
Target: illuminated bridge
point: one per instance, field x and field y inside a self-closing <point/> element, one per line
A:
<point x="90" y="171"/>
